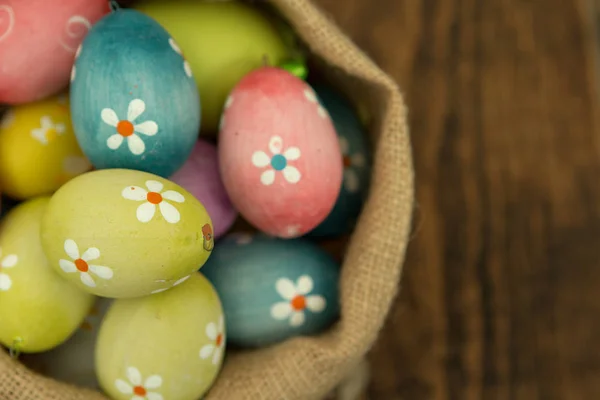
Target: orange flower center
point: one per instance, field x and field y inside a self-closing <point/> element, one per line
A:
<point x="154" y="198"/>
<point x="81" y="265"/>
<point x="347" y="161"/>
<point x="125" y="128"/>
<point x="219" y="339"/>
<point x="299" y="303"/>
<point x="139" y="391"/>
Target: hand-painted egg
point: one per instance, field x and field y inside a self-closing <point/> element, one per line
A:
<point x="38" y="149"/>
<point x="38" y="309"/>
<point x="223" y="41"/>
<point x="165" y="346"/>
<point x="124" y="233"/>
<point x="38" y="40"/>
<point x="356" y="162"/>
<point x="273" y="289"/>
<point x="74" y="361"/>
<point x="279" y="153"/>
<point x="201" y="177"/>
<point x="134" y="101"/>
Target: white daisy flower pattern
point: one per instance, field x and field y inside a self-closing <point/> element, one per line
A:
<point x="312" y="97"/>
<point x="215" y="332"/>
<point x="177" y="282"/>
<point x="186" y="64"/>
<point x="80" y="263"/>
<point x="351" y="163"/>
<point x="138" y="388"/>
<point x="277" y="162"/>
<point x="125" y="128"/>
<point x="154" y="197"/>
<point x="48" y="131"/>
<point x="6" y="262"/>
<point x="7" y="119"/>
<point x="297" y="300"/>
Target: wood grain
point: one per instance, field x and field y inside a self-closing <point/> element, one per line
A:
<point x="501" y="292"/>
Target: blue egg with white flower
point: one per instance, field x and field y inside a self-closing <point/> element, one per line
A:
<point x="356" y="161"/>
<point x="273" y="289"/>
<point x="134" y="101"/>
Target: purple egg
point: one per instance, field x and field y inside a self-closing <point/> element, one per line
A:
<point x="201" y="177"/>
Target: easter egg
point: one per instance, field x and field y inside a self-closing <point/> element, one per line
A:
<point x="123" y="233"/>
<point x="273" y="289"/>
<point x="134" y="101"/>
<point x="201" y="177"/>
<point x="355" y="160"/>
<point x="279" y="153"/>
<point x="38" y="40"/>
<point x="38" y="309"/>
<point x="165" y="346"/>
<point x="38" y="149"/>
<point x="74" y="361"/>
<point x="223" y="41"/>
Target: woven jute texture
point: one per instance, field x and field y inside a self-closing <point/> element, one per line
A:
<point x="310" y="368"/>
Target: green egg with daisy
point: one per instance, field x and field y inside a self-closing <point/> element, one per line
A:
<point x="168" y="345"/>
<point x="38" y="309"/>
<point x="122" y="233"/>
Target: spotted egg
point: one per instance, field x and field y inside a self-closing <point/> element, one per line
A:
<point x="273" y="289"/>
<point x="355" y="160"/>
<point x="38" y="40"/>
<point x="135" y="104"/>
<point x="38" y="149"/>
<point x="124" y="233"/>
<point x="38" y="309"/>
<point x="167" y="346"/>
<point x="279" y="153"/>
<point x="200" y="176"/>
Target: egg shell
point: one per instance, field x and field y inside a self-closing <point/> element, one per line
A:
<point x="223" y="41"/>
<point x="38" y="40"/>
<point x="38" y="309"/>
<point x="74" y="361"/>
<point x="171" y="343"/>
<point x="200" y="176"/>
<point x="134" y="101"/>
<point x="264" y="284"/>
<point x="123" y="233"/>
<point x="356" y="161"/>
<point x="38" y="149"/>
<point x="279" y="153"/>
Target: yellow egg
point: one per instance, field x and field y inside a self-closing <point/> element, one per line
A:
<point x="38" y="149"/>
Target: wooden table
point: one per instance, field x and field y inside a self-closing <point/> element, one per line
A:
<point x="501" y="291"/>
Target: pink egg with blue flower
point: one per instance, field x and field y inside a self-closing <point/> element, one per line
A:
<point x="279" y="153"/>
<point x="38" y="41"/>
<point x="134" y="101"/>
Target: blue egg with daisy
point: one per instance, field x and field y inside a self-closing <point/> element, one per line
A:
<point x="134" y="102"/>
<point x="356" y="160"/>
<point x="273" y="289"/>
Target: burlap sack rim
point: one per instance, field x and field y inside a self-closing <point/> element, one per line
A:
<point x="308" y="368"/>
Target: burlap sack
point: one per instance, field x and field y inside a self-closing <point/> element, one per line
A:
<point x="309" y="368"/>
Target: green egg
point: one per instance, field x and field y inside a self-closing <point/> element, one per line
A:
<point x="165" y="346"/>
<point x="38" y="309"/>
<point x="123" y="233"/>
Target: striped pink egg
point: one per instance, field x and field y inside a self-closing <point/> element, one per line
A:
<point x="279" y="153"/>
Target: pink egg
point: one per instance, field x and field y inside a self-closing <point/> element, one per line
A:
<point x="38" y="41"/>
<point x="279" y="153"/>
<point x="201" y="177"/>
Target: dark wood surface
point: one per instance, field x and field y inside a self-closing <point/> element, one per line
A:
<point x="501" y="291"/>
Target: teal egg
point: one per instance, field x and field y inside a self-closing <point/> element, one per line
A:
<point x="355" y="159"/>
<point x="273" y="289"/>
<point x="134" y="101"/>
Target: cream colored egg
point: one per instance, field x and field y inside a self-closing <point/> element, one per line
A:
<point x="165" y="346"/>
<point x="38" y="309"/>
